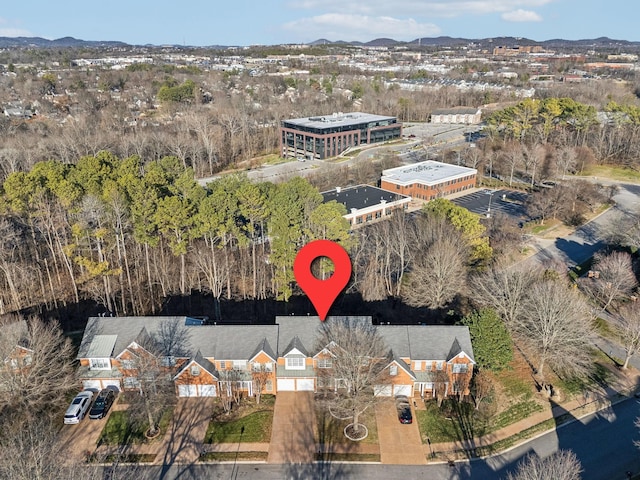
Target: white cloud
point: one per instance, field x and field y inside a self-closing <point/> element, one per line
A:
<point x="14" y="32"/>
<point x="418" y="8"/>
<point x="353" y="27"/>
<point x="521" y="16"/>
<point x="7" y="29"/>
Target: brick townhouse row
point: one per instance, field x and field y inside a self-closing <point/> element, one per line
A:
<point x="424" y="359"/>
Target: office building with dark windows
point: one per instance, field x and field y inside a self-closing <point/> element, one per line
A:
<point x="328" y="136"/>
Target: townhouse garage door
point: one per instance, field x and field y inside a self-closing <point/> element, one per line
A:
<point x="392" y="390"/>
<point x="196" y="390"/>
<point x="100" y="384"/>
<point x="295" y="385"/>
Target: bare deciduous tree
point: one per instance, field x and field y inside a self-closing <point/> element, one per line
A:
<point x="439" y="269"/>
<point x="260" y="376"/>
<point x="359" y="357"/>
<point x="561" y="465"/>
<point x="503" y="289"/>
<point x="482" y="387"/>
<point x="629" y="330"/>
<point x="614" y="281"/>
<point x="555" y="327"/>
<point x="38" y="364"/>
<point x="154" y="366"/>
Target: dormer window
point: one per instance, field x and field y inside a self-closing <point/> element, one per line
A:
<point x="294" y="363"/>
<point x="100" y="364"/>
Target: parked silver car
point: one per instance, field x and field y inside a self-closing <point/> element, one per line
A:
<point x="79" y="407"/>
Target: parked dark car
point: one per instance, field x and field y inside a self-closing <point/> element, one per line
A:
<point x="404" y="414"/>
<point x="103" y="403"/>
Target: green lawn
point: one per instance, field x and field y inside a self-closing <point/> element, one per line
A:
<point x="348" y="457"/>
<point x="613" y="172"/>
<point x="254" y="427"/>
<point x="119" y="429"/>
<point x="331" y="430"/>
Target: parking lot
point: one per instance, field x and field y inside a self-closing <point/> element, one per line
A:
<point x="483" y="202"/>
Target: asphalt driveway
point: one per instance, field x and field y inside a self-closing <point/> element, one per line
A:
<point x="400" y="444"/>
<point x="294" y="427"/>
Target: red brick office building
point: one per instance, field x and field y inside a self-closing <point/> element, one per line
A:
<point x="428" y="180"/>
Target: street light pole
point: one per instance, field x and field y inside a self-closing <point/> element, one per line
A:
<point x="489" y="207"/>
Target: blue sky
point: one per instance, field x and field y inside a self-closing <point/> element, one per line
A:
<point x="247" y="22"/>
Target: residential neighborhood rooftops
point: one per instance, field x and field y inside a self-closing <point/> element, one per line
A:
<point x="361" y="196"/>
<point x="109" y="336"/>
<point x="428" y="172"/>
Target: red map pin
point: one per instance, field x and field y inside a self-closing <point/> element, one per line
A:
<point x="322" y="293"/>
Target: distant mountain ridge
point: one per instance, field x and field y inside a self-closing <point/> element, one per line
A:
<point x="64" y="42"/>
<point x="444" y="41"/>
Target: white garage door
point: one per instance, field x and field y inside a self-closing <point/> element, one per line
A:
<point x="111" y="383"/>
<point x="187" y="390"/>
<point x="286" y="384"/>
<point x="403" y="390"/>
<point x="382" y="390"/>
<point x="305" y="384"/>
<point x="207" y="390"/>
<point x="91" y="384"/>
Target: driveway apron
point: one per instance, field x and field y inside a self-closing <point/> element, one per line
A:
<point x="400" y="444"/>
<point x="294" y="427"/>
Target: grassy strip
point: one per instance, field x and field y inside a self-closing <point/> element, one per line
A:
<point x="348" y="457"/>
<point x="255" y="427"/>
<point x="128" y="458"/>
<point x="233" y="456"/>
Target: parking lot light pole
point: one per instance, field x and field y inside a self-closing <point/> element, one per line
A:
<point x="489" y="207"/>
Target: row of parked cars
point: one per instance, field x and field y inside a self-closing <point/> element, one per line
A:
<point x="83" y="403"/>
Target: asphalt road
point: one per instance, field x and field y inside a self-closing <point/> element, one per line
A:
<point x="603" y="442"/>
<point x="589" y="238"/>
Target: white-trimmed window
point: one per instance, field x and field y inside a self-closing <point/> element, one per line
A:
<point x="417" y="365"/>
<point x="268" y="386"/>
<point x="195" y="370"/>
<point x="268" y="366"/>
<point x="223" y="365"/>
<point x="460" y="368"/>
<point x="439" y="365"/>
<point x="294" y="363"/>
<point x="239" y="364"/>
<point x="393" y="370"/>
<point x="325" y="363"/>
<point x="100" y="364"/>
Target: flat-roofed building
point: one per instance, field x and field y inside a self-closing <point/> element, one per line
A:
<point x="428" y="180"/>
<point x="327" y="136"/>
<point x="365" y="203"/>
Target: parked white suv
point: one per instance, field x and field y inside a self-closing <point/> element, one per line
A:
<point x="79" y="407"/>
